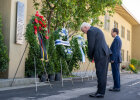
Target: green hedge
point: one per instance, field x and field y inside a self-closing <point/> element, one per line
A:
<point x="136" y="63"/>
<point x="4" y="59"/>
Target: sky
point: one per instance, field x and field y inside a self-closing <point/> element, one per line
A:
<point x="134" y="8"/>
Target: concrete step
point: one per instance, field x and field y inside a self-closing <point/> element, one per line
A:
<point x="17" y="82"/>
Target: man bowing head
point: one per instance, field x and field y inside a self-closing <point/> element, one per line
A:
<point x="97" y="49"/>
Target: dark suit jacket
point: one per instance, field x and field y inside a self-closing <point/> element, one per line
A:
<point x="116" y="50"/>
<point x="97" y="47"/>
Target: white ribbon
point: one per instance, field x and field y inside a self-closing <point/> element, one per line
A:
<point x="61" y="42"/>
<point x="81" y="42"/>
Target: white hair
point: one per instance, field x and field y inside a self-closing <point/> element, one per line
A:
<point x="84" y="24"/>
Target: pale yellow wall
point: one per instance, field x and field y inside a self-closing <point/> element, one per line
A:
<point x="126" y="45"/>
<point x="30" y="9"/>
<point x="15" y="50"/>
<point x="136" y="42"/>
<point x="8" y="12"/>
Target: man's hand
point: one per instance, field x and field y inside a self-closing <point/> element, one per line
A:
<point x="112" y="61"/>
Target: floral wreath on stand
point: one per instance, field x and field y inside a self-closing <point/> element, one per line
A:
<point x="37" y="36"/>
<point x="41" y="32"/>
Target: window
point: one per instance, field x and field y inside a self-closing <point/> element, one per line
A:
<point x="122" y="31"/>
<point x="122" y="53"/>
<point x="115" y="24"/>
<point x="107" y="22"/>
<point x="128" y="35"/>
<point x="127" y="56"/>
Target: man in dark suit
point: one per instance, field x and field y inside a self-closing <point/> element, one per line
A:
<point x="116" y="59"/>
<point x="97" y="49"/>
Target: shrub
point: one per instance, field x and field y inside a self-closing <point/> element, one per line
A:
<point x="4" y="59"/>
<point x="134" y="62"/>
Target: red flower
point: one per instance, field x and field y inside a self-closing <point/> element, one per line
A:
<point x="42" y="25"/>
<point x="35" y="27"/>
<point x="45" y="26"/>
<point x="40" y="28"/>
<point x="92" y="61"/>
<point x="36" y="20"/>
<point x="35" y="31"/>
<point x="40" y="22"/>
<point x="37" y="14"/>
<point x="41" y="17"/>
<point x="47" y="37"/>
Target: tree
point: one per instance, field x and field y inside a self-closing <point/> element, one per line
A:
<point x="4" y="59"/>
<point x="71" y="13"/>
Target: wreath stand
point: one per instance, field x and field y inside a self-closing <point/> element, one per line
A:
<point x="35" y="70"/>
<point x="84" y="75"/>
<point x="36" y="83"/>
<point x="63" y="79"/>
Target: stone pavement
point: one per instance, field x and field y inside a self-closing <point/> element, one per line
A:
<point x="130" y="90"/>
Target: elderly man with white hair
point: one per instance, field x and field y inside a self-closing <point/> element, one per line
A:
<point x="100" y="52"/>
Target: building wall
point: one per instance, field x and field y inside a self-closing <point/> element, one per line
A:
<point x="136" y="42"/>
<point x="8" y="12"/>
<point x="15" y="51"/>
<point x="30" y="9"/>
<point x="126" y="45"/>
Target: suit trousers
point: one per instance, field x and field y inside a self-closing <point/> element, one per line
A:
<point x="116" y="74"/>
<point x="101" y="73"/>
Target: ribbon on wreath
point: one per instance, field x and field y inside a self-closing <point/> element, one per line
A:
<point x="64" y="33"/>
<point x="61" y="42"/>
<point x="81" y="42"/>
<point x="42" y="47"/>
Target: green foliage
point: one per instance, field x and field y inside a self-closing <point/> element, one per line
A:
<point x="68" y="62"/>
<point x="77" y="56"/>
<point x="52" y="56"/>
<point x="134" y="62"/>
<point x="86" y="50"/>
<point x="139" y="64"/>
<point x="34" y="51"/>
<point x="61" y="55"/>
<point x="61" y="59"/>
<point x="4" y="59"/>
<point x="71" y="13"/>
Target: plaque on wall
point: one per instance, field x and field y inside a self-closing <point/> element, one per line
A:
<point x="20" y="23"/>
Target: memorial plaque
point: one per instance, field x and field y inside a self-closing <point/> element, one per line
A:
<point x="20" y="23"/>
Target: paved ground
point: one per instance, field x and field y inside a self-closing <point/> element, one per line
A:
<point x="130" y="90"/>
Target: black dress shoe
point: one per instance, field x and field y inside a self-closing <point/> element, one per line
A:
<point x="114" y="89"/>
<point x="97" y="95"/>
